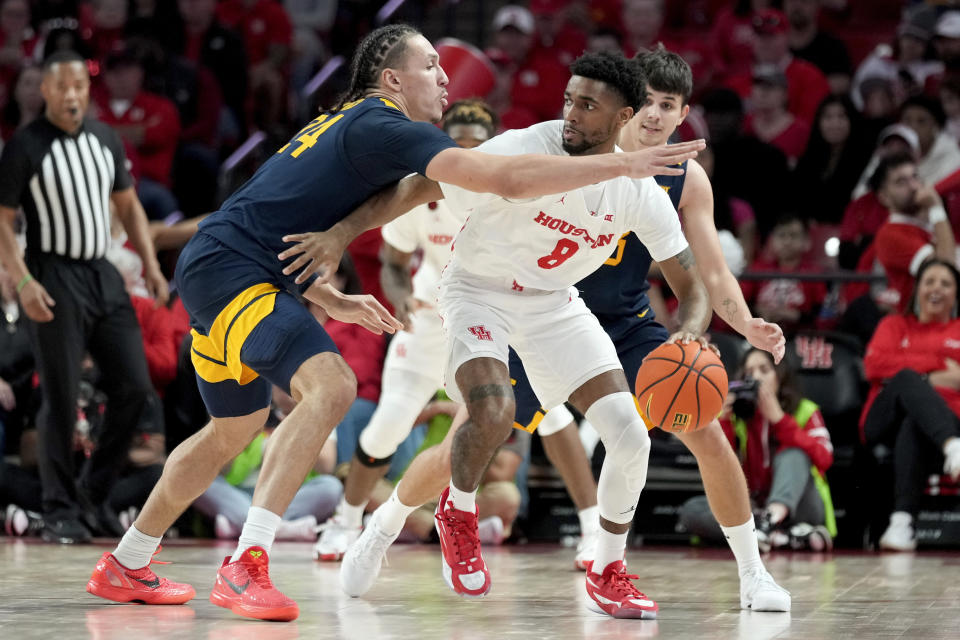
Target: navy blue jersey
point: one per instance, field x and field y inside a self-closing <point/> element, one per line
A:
<point x="328" y="169"/>
<point x="619" y="287"/>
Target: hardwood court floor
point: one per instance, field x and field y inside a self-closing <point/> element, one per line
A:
<point x="536" y="594"/>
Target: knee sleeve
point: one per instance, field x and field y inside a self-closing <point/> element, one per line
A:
<point x="554" y="421"/>
<point x="627" y="442"/>
<point x="403" y="397"/>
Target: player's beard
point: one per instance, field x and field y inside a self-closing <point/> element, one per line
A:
<point x="585" y="145"/>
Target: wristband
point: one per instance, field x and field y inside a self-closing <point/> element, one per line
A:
<point x="23" y="282"/>
<point x="936" y="214"/>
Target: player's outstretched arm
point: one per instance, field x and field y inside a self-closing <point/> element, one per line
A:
<point x="534" y="175"/>
<point x="320" y="251"/>
<point x="694" y="312"/>
<point x="726" y="297"/>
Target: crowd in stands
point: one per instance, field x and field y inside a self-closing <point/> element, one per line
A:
<point x="832" y="129"/>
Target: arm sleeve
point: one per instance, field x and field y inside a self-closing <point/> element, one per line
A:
<point x="121" y="177"/>
<point x="401" y="233"/>
<point x="885" y="356"/>
<point x="656" y="222"/>
<point x="813" y="438"/>
<point x="14" y="172"/>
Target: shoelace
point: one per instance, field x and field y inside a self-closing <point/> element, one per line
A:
<point x="465" y="538"/>
<point x="260" y="574"/>
<point x="620" y="583"/>
<point x="376" y="543"/>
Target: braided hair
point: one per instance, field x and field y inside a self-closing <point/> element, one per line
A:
<point x="471" y="111"/>
<point x="382" y="48"/>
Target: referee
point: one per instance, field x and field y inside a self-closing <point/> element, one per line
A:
<point x="65" y="172"/>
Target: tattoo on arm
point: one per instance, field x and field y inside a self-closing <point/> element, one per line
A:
<point x="482" y="391"/>
<point x="729" y="308"/>
<point x="685" y="258"/>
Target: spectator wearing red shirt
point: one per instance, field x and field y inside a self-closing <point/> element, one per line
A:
<point x="148" y="122"/>
<point x="806" y="85"/>
<point x="917" y="228"/>
<point x="267" y="36"/>
<point x="159" y="341"/>
<point x="769" y="119"/>
<point x="643" y="29"/>
<point x="202" y="39"/>
<point x="732" y="37"/>
<point x="102" y="26"/>
<point x="914" y="401"/>
<point x="554" y="37"/>
<point x="529" y="89"/>
<point x="793" y="304"/>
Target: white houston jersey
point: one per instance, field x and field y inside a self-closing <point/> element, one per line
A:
<point x="555" y="241"/>
<point x="431" y="227"/>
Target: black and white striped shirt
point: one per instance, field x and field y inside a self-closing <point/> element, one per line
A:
<point x="64" y="182"/>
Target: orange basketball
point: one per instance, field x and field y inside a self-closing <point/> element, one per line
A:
<point x="681" y="387"/>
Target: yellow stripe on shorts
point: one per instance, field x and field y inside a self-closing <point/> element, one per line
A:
<point x="530" y="428"/>
<point x="216" y="356"/>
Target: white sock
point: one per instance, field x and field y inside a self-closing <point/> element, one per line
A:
<point x="392" y="514"/>
<point x="463" y="500"/>
<point x="610" y="549"/>
<point x="743" y="542"/>
<point x="135" y="549"/>
<point x="897" y="519"/>
<point x="258" y="531"/>
<point x="351" y="515"/>
<point x="589" y="519"/>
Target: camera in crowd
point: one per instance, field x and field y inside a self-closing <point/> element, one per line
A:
<point x="744" y="397"/>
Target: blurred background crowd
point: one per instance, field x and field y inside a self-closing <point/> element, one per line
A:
<point x="832" y="129"/>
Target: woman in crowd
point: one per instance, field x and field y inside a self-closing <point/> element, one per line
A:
<point x="912" y="365"/>
<point x="835" y="157"/>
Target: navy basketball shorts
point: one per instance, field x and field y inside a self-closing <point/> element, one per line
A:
<point x="248" y="331"/>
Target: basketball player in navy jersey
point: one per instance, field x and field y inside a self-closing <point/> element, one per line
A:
<point x="617" y="295"/>
<point x="250" y="331"/>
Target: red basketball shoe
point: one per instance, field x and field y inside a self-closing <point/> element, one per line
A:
<point x="616" y="596"/>
<point x="244" y="587"/>
<point x="113" y="581"/>
<point x="463" y="568"/>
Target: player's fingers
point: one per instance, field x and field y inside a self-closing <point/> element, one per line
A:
<point x="297" y="264"/>
<point x="295" y="237"/>
<point x="307" y="271"/>
<point x="292" y="251"/>
<point x="668" y="171"/>
<point x="714" y="348"/>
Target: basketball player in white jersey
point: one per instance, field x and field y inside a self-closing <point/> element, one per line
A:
<point x="413" y="370"/>
<point x="509" y="284"/>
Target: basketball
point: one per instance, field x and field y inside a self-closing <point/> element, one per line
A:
<point x="681" y="387"/>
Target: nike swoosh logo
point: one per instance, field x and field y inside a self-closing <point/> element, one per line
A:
<point x="153" y="584"/>
<point x="628" y="510"/>
<point x="236" y="589"/>
<point x="643" y="313"/>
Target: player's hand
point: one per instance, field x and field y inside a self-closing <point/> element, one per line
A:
<point x="686" y="337"/>
<point x="363" y="310"/>
<point x="767" y="336"/>
<point x="317" y="252"/>
<point x="36" y="302"/>
<point x="927" y="197"/>
<point x="768" y="404"/>
<point x="662" y="160"/>
<point x="7" y="398"/>
<point x="407" y="308"/>
<point x="157" y="286"/>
